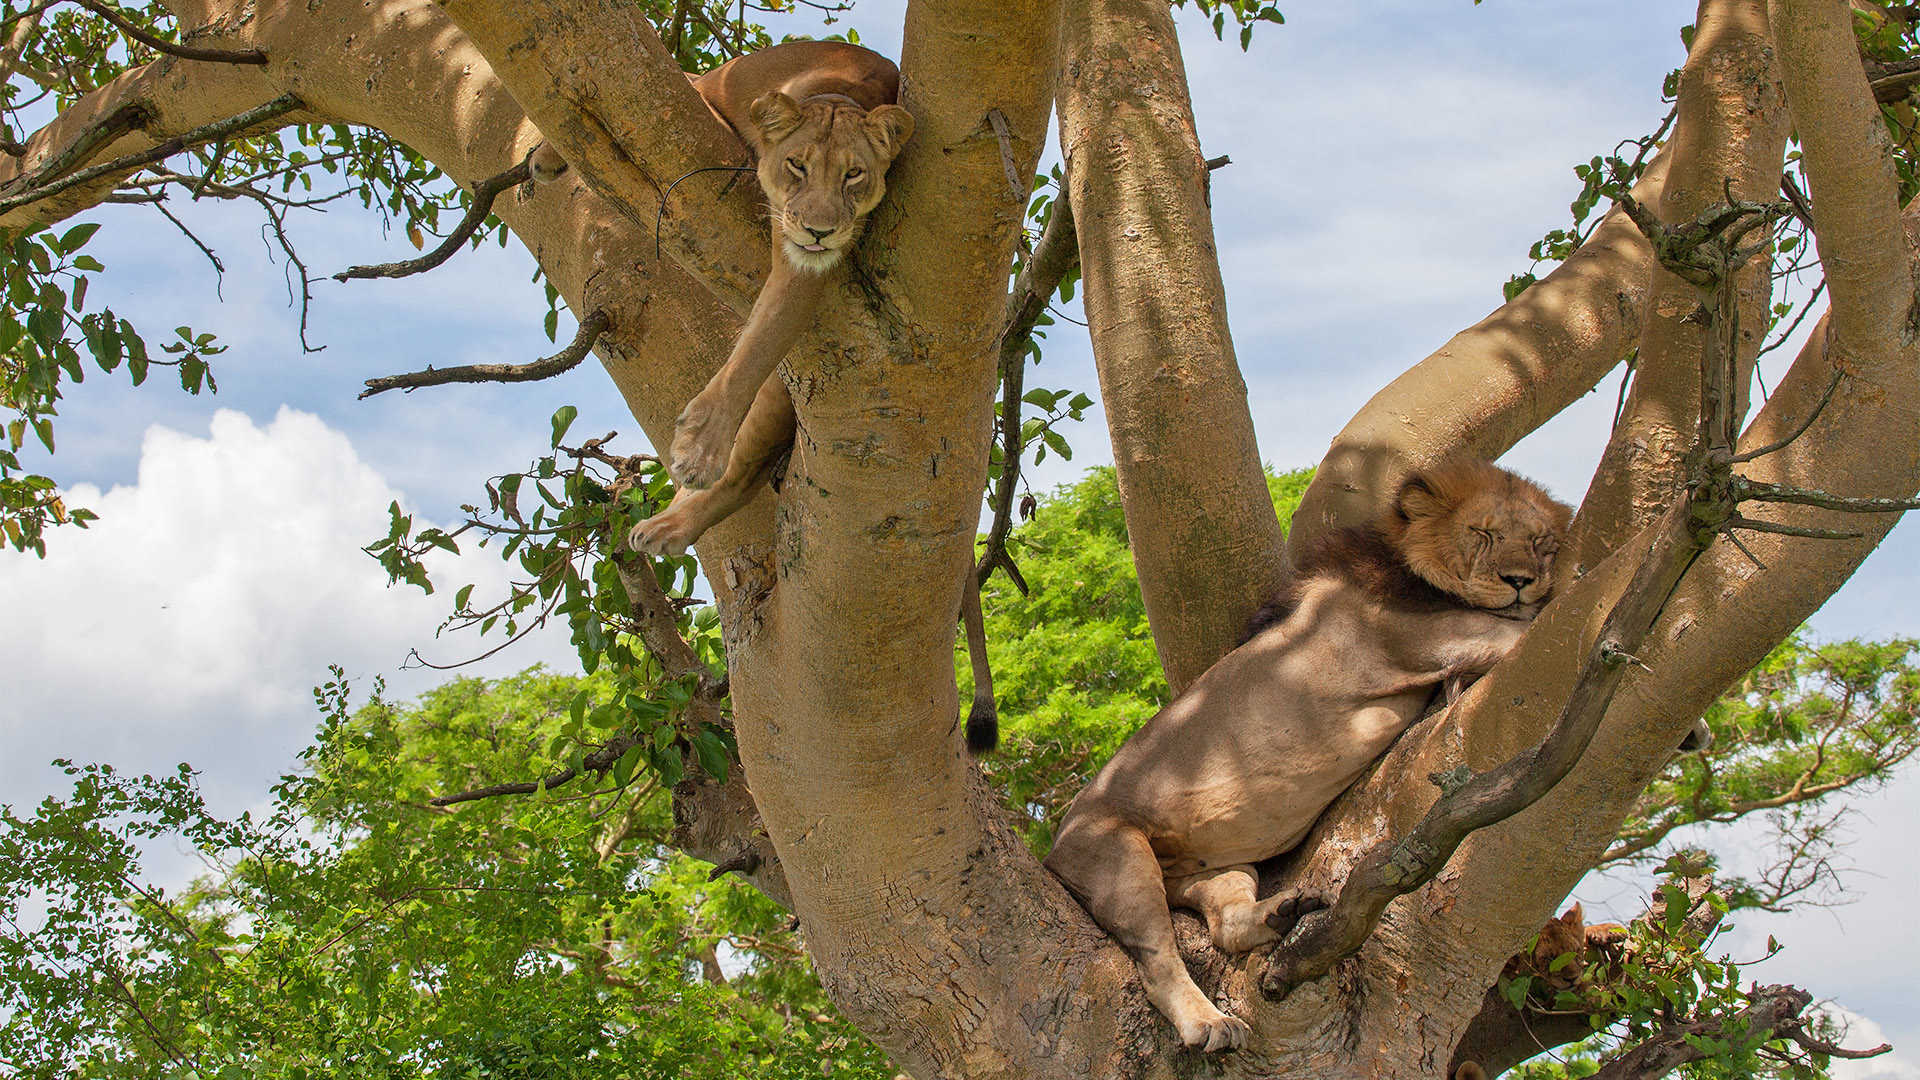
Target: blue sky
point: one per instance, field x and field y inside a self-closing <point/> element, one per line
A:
<point x="1391" y="166"/>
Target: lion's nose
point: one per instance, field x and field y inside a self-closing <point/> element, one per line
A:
<point x="818" y="234"/>
<point x="1518" y="581"/>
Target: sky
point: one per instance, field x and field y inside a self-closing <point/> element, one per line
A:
<point x="1391" y="165"/>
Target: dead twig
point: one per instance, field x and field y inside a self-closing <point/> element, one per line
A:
<point x="565" y="360"/>
<point x="484" y="193"/>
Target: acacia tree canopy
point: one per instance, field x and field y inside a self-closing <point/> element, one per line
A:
<point x="930" y="923"/>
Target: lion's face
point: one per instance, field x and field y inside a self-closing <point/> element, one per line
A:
<point x="823" y="165"/>
<point x="1481" y="533"/>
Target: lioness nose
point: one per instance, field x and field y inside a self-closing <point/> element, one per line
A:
<point x="1518" y="581"/>
<point x="818" y="234"/>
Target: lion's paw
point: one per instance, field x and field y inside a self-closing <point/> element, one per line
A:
<point x="702" y="439"/>
<point x="1287" y="911"/>
<point x="1212" y="1036"/>
<point x="670" y="532"/>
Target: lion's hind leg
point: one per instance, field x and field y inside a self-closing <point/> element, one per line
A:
<point x="1236" y="919"/>
<point x="1111" y="869"/>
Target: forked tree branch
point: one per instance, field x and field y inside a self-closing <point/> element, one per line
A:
<point x="563" y="361"/>
<point x="484" y="193"/>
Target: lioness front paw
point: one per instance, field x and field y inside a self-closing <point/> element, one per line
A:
<point x="702" y="439"/>
<point x="1212" y="1036"/>
<point x="670" y="532"/>
<point x="1289" y="910"/>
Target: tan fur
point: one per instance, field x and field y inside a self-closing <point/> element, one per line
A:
<point x="1236" y="769"/>
<point x="820" y="118"/>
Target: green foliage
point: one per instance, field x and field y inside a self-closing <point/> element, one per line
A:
<point x="45" y="328"/>
<point x="1809" y="722"/>
<point x="1246" y="14"/>
<point x="587" y="500"/>
<point x="1074" y="667"/>
<point x="1662" y="977"/>
<point x="354" y="931"/>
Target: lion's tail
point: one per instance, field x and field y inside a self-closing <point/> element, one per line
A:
<point x="983" y="721"/>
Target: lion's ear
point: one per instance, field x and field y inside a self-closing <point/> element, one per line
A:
<point x="1418" y="499"/>
<point x="889" y="126"/>
<point x="775" y="116"/>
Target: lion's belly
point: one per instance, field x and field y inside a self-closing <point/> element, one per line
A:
<point x="1263" y="811"/>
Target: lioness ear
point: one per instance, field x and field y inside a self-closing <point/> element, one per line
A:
<point x="775" y="116"/>
<point x="889" y="126"/>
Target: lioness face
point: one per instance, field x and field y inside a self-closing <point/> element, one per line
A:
<point x="823" y="166"/>
<point x="1482" y="533"/>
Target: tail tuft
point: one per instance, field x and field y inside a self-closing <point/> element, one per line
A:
<point x="983" y="726"/>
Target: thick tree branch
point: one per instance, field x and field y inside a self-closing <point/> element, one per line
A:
<point x="1495" y="381"/>
<point x="628" y="137"/>
<point x="1205" y="541"/>
<point x="1729" y="135"/>
<point x="563" y="361"/>
<point x="483" y="195"/>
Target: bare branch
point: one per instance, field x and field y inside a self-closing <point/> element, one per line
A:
<point x="1812" y="415"/>
<point x="185" y="52"/>
<point x="259" y="114"/>
<point x="565" y="360"/>
<point x="483" y="195"/>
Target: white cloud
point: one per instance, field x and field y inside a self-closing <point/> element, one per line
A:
<point x="189" y="623"/>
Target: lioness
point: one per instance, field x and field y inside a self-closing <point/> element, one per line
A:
<point x="1237" y="768"/>
<point x="821" y="120"/>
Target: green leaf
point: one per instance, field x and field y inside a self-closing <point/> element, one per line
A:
<point x="711" y="752"/>
<point x="562" y="420"/>
<point x="75" y="238"/>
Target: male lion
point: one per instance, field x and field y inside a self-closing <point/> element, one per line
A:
<point x="1237" y="768"/>
<point x="821" y="120"/>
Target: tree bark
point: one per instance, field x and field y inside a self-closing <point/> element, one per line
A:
<point x="1205" y="541"/>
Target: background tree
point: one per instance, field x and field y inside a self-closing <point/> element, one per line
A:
<point x="932" y="927"/>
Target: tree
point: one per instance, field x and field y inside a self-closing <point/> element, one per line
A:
<point x="561" y="933"/>
<point x="932" y="926"/>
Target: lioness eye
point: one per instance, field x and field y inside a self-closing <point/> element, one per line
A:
<point x="794" y="166"/>
<point x="855" y="174"/>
